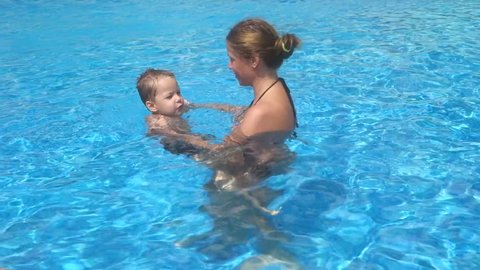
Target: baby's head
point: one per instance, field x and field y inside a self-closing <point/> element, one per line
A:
<point x="160" y="92"/>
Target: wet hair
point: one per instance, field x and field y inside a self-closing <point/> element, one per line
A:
<point x="256" y="36"/>
<point x="147" y="82"/>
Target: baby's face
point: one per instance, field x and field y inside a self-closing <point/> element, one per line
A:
<point x="168" y="100"/>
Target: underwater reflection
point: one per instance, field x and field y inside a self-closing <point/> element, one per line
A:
<point x="238" y="200"/>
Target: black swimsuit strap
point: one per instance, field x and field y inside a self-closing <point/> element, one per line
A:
<point x="264" y="92"/>
<point x="287" y="90"/>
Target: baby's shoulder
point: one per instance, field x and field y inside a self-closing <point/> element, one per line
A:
<point x="157" y="121"/>
<point x="158" y="125"/>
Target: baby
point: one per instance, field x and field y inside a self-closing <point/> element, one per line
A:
<point x="160" y="93"/>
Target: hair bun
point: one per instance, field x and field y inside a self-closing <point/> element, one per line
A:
<point x="286" y="44"/>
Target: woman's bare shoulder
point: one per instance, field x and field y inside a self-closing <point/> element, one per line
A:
<point x="257" y="120"/>
<point x="266" y="117"/>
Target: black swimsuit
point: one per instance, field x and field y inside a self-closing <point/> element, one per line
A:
<point x="263" y="154"/>
<point x="287" y="90"/>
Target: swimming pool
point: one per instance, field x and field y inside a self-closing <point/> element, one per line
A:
<point x="386" y="174"/>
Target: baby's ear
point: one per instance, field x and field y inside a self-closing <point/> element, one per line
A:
<point x="151" y="106"/>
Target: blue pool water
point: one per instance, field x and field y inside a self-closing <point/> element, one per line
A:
<point x="386" y="174"/>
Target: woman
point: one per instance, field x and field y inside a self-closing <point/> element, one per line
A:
<point x="256" y="143"/>
<point x="253" y="150"/>
<point x="256" y="52"/>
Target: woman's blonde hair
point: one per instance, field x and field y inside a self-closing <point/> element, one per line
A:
<point x="256" y="36"/>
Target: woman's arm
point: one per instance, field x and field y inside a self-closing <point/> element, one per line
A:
<point x="192" y="139"/>
<point x="217" y="106"/>
<point x="235" y="138"/>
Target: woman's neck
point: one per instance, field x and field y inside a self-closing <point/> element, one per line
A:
<point x="263" y="82"/>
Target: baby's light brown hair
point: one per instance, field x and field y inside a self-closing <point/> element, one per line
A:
<point x="147" y="82"/>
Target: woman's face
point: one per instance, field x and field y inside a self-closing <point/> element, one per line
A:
<point x="240" y="66"/>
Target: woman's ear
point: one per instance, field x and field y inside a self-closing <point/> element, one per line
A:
<point x="151" y="106"/>
<point x="255" y="61"/>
